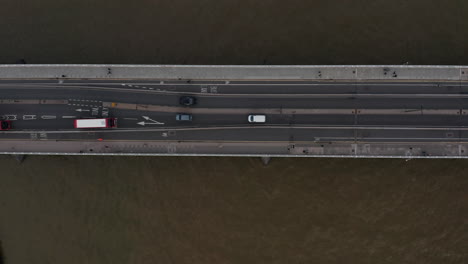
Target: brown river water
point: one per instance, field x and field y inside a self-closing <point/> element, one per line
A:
<point x="233" y="210"/>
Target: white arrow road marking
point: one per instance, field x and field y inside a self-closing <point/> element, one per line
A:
<point x="48" y="117"/>
<point x="147" y="118"/>
<point x="154" y="121"/>
<point x="68" y="116"/>
<point x="29" y="117"/>
<point x="82" y="110"/>
<point x="143" y="123"/>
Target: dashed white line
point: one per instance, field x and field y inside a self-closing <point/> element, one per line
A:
<point x="48" y="117"/>
<point x="9" y="117"/>
<point x="29" y="117"/>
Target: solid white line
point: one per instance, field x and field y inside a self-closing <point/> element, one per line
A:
<point x="463" y="128"/>
<point x="280" y="84"/>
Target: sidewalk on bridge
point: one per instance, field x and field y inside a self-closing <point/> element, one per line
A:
<point x="257" y="149"/>
<point x="235" y="72"/>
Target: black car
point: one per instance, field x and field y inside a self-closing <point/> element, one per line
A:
<point x="187" y="100"/>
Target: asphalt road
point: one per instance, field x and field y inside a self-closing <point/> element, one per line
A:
<point x="297" y="111"/>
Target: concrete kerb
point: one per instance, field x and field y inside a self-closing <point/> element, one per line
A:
<point x="234" y="72"/>
<point x="231" y="155"/>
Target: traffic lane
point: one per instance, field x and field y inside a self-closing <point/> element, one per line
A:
<point x="41" y="124"/>
<point x="283" y="87"/>
<point x="130" y="120"/>
<point x="279" y="89"/>
<point x="233" y="87"/>
<point x="86" y="94"/>
<point x="46" y="117"/>
<point x="236" y="101"/>
<point x="331" y="103"/>
<point x="250" y="87"/>
<point x="133" y="118"/>
<point x="199" y="88"/>
<point x="318" y="88"/>
<point x="325" y="88"/>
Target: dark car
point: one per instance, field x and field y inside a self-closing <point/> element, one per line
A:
<point x="184" y="117"/>
<point x="5" y="125"/>
<point x="187" y="100"/>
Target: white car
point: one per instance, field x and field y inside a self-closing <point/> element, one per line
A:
<point x="257" y="118"/>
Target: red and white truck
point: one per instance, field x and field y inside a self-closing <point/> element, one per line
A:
<point x="96" y="123"/>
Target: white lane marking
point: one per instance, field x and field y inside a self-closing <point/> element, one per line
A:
<point x="137" y="86"/>
<point x="48" y="117"/>
<point x="80" y="100"/>
<point x="154" y="122"/>
<point x="82" y="110"/>
<point x="130" y="118"/>
<point x="68" y="116"/>
<point x="105" y="111"/>
<point x="143" y="123"/>
<point x="9" y="117"/>
<point x="149" y="119"/>
<point x="95" y="111"/>
<point x="29" y="117"/>
<point x="43" y="135"/>
<point x="294" y="84"/>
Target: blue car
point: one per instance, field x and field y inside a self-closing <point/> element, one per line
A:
<point x="183" y="117"/>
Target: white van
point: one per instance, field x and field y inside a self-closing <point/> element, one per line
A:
<point x="257" y="118"/>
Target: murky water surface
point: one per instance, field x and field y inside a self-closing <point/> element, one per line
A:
<point x="233" y="210"/>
